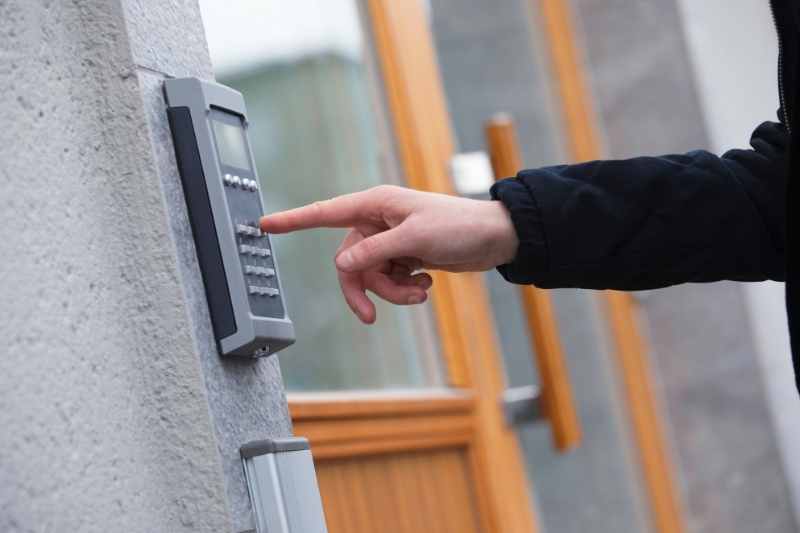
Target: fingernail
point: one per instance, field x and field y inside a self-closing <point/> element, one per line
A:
<point x="416" y="299"/>
<point x="365" y="317"/>
<point x="344" y="260"/>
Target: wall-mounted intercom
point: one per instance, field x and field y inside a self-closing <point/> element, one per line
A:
<point x="215" y="160"/>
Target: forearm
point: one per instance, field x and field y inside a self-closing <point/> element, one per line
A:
<point x="653" y="221"/>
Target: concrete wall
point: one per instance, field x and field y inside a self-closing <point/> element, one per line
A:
<point x="704" y="348"/>
<point x="116" y="412"/>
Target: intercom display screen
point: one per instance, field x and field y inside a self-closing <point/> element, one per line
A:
<point x="231" y="144"/>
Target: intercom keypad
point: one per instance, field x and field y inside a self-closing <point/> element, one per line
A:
<point x="223" y="192"/>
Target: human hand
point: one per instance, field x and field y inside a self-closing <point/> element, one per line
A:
<point x="397" y="231"/>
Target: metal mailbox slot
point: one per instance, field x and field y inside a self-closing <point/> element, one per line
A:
<point x="283" y="486"/>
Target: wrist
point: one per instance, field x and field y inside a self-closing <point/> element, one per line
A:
<point x="505" y="241"/>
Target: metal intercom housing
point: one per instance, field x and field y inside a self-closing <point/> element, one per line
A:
<point x="209" y="132"/>
<point x="283" y="486"/>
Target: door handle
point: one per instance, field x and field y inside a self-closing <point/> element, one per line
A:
<point x="555" y="396"/>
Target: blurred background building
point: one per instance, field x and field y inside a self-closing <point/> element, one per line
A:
<point x="117" y="414"/>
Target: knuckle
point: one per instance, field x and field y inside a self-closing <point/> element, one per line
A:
<point x="384" y="190"/>
<point x="388" y="199"/>
<point x="385" y="204"/>
<point x="386" y="194"/>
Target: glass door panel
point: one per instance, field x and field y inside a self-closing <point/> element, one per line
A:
<point x="318" y="128"/>
<point x="492" y="60"/>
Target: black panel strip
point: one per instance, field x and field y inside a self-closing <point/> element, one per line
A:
<point x="202" y="219"/>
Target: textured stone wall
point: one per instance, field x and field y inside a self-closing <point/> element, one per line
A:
<point x="116" y="414"/>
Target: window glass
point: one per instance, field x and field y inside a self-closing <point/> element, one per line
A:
<point x="317" y="130"/>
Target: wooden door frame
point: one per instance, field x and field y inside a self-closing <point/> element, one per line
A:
<point x="631" y="351"/>
<point x="468" y="415"/>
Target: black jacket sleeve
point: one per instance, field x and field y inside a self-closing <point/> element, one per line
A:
<point x="651" y="222"/>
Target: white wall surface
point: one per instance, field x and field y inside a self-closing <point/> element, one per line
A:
<point x="734" y="50"/>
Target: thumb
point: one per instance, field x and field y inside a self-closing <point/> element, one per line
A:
<point x="376" y="249"/>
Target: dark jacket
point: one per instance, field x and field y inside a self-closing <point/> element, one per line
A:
<point x="652" y="222"/>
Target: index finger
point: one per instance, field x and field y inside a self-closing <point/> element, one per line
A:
<point x="341" y="212"/>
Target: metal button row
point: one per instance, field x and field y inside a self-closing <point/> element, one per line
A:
<point x="259" y="271"/>
<point x="254" y="250"/>
<point x="263" y="291"/>
<point x="244" y="229"/>
<point x="236" y="181"/>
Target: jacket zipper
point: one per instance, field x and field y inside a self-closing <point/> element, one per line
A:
<point x="781" y="95"/>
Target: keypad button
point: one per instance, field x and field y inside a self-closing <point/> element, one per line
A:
<point x="246" y="229"/>
<point x="263" y="291"/>
<point x="254" y="250"/>
<point x="237" y="181"/>
<point x="227" y="179"/>
<point x="263" y="271"/>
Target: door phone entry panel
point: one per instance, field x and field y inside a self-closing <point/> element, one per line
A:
<point x="215" y="159"/>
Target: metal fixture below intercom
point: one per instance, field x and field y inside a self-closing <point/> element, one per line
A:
<point x="215" y="160"/>
<point x="283" y="486"/>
